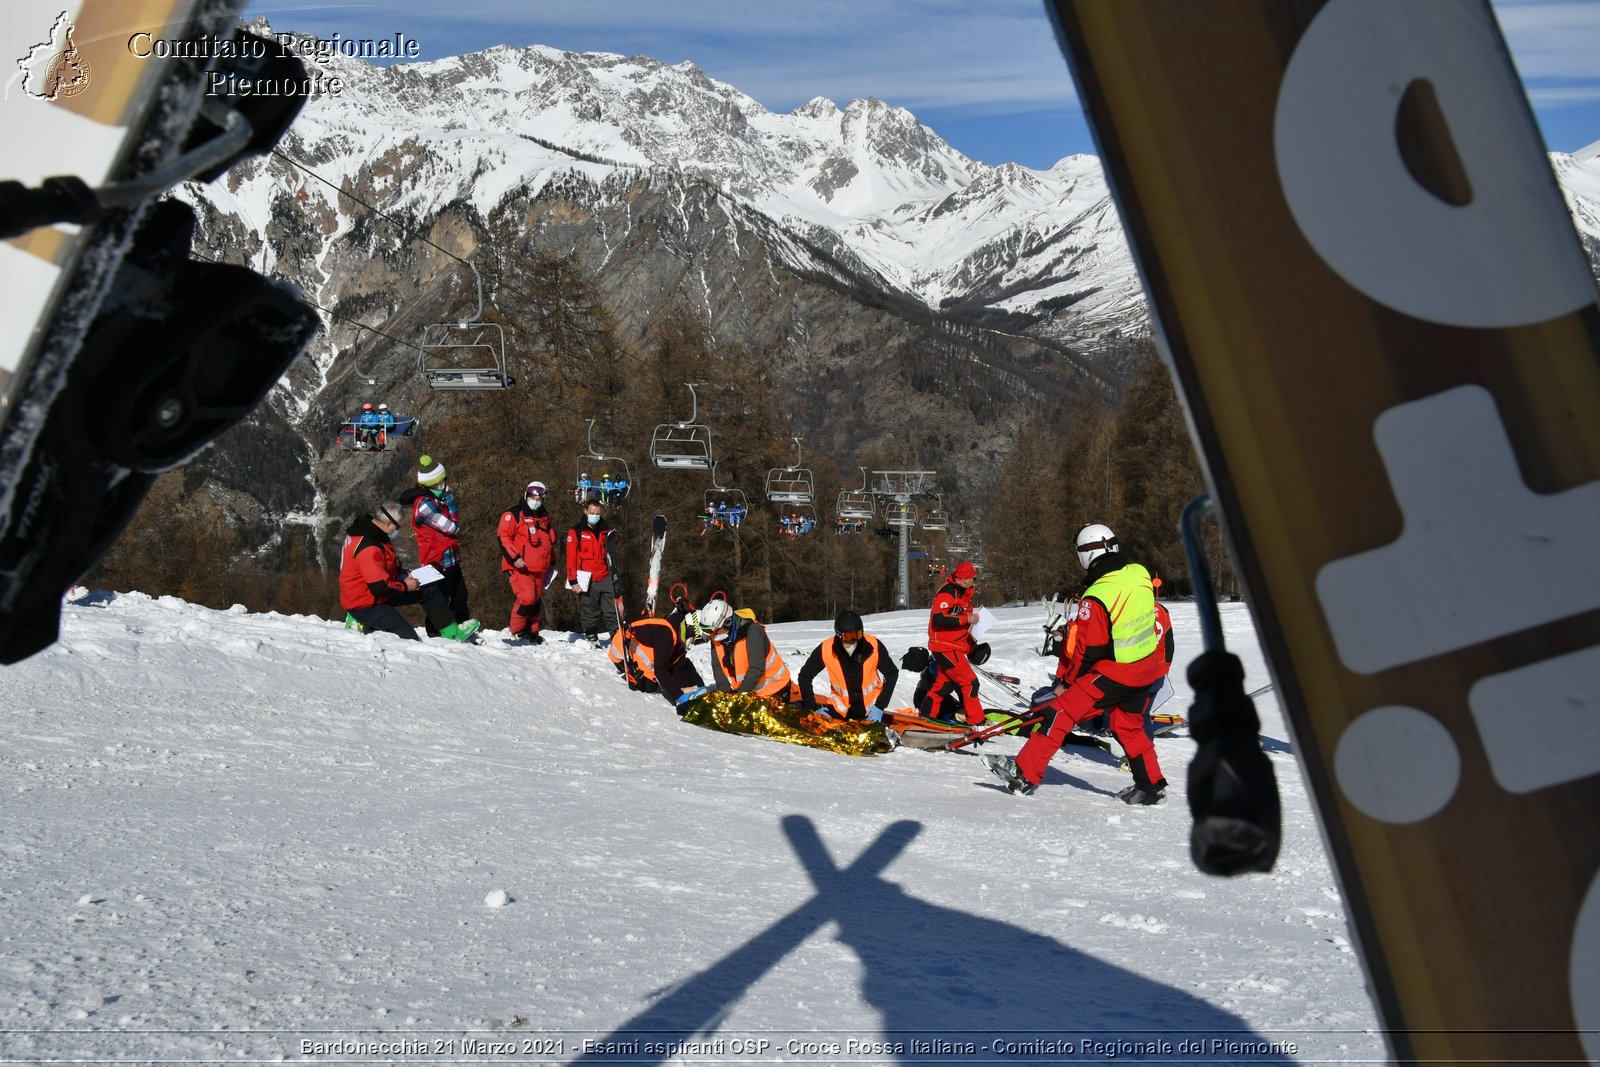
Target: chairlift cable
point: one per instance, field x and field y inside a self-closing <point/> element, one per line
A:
<point x="326" y="311"/>
<point x="413" y="234"/>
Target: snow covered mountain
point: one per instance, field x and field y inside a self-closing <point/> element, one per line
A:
<point x="869" y="187"/>
<point x="867" y="184"/>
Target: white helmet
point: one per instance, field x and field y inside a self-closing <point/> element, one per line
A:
<point x="713" y="615"/>
<point x="1093" y="542"/>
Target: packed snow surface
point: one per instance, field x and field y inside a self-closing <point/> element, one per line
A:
<point x="238" y="836"/>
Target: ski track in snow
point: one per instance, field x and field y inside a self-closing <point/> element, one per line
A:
<point x="229" y="833"/>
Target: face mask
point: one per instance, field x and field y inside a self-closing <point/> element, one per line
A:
<point x="850" y="647"/>
<point x="535" y="503"/>
<point x="592" y="519"/>
<point x="392" y="532"/>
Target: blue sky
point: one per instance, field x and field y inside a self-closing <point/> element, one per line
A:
<point x="984" y="74"/>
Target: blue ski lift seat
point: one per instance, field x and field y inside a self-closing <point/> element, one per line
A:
<point x="354" y="438"/>
<point x="605" y="478"/>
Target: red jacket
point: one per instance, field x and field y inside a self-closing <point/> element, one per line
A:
<point x="436" y="517"/>
<point x="369" y="569"/>
<point x="526" y="535"/>
<point x="950" y="622"/>
<point x="586" y="550"/>
<point x="1087" y="649"/>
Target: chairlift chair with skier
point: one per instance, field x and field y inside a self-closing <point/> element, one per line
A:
<point x="726" y="507"/>
<point x="683" y="445"/>
<point x="797" y="520"/>
<point x="607" y="479"/>
<point x="374" y="429"/>
<point x="790" y="485"/>
<point x="469" y="354"/>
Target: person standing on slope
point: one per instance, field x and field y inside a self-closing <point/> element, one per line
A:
<point x="950" y="644"/>
<point x="861" y="673"/>
<point x="1119" y="647"/>
<point x="371" y="585"/>
<point x="589" y="553"/>
<point x="527" y="555"/>
<point x="436" y="518"/>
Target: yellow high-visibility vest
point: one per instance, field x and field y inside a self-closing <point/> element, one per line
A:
<point x="1130" y="600"/>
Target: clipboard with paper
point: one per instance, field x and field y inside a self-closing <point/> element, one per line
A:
<point x="426" y="574"/>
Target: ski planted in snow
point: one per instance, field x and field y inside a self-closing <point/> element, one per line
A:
<point x="658" y="545"/>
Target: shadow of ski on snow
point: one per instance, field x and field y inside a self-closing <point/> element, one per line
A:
<point x="936" y="974"/>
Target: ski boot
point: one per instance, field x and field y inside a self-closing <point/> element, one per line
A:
<point x="462" y="631"/>
<point x="1144" y="797"/>
<point x="1005" y="769"/>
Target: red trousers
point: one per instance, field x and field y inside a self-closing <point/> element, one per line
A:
<point x="529" y="591"/>
<point x="953" y="667"/>
<point x="1080" y="702"/>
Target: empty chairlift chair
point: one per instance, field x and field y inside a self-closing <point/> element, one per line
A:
<point x="467" y="354"/>
<point x="790" y="485"/>
<point x="683" y="445"/>
<point x="899" y="514"/>
<point x="857" y="505"/>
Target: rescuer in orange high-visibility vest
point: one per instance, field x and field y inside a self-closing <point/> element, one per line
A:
<point x="860" y="672"/>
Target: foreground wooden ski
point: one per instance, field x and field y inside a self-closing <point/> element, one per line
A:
<point x="1375" y="307"/>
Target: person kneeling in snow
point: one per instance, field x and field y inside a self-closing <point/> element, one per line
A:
<point x="371" y="585"/>
<point x="743" y="659"/>
<point x="651" y="654"/>
<point x="861" y="673"/>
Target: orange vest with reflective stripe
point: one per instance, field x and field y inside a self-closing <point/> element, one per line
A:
<point x="774" y="672"/>
<point x="871" y="680"/>
<point x="644" y="657"/>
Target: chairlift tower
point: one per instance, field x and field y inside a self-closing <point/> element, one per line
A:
<point x="898" y="489"/>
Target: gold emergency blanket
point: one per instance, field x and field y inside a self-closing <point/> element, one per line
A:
<point x="746" y="713"/>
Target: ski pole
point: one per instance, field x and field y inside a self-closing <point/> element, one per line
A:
<point x="1006" y="682"/>
<point x="993" y="729"/>
<point x="1234" y="805"/>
